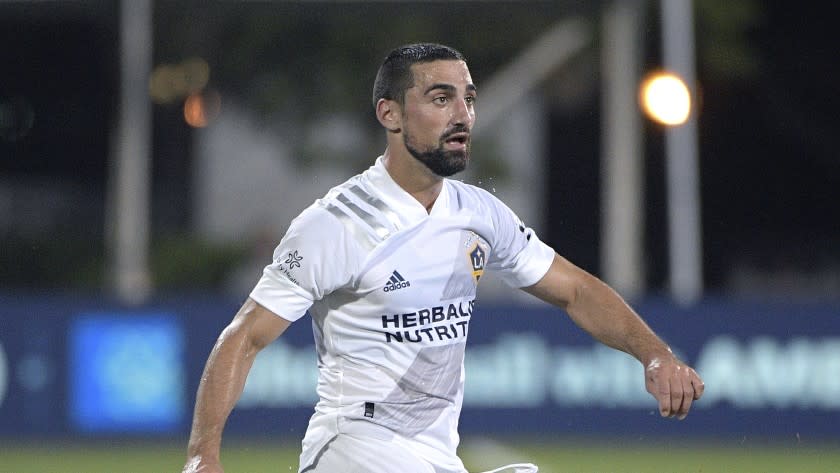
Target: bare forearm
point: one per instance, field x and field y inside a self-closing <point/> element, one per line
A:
<point x="599" y="310"/>
<point x="223" y="380"/>
<point x="221" y="385"/>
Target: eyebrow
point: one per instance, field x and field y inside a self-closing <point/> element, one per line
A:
<point x="448" y="88"/>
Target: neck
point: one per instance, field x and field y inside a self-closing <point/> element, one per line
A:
<point x="413" y="176"/>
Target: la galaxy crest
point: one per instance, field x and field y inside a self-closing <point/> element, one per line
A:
<point x="477" y="256"/>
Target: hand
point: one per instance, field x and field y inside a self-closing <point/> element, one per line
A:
<point x="199" y="464"/>
<point x="674" y="384"/>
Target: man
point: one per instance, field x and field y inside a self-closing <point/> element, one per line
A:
<point x="387" y="264"/>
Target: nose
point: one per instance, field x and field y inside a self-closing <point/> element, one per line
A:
<point x="463" y="114"/>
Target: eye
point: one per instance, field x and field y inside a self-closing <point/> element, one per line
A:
<point x="441" y="99"/>
<point x="471" y="99"/>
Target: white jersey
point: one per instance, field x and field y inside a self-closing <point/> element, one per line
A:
<point x="390" y="288"/>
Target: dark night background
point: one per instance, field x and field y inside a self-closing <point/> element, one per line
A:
<point x="769" y="156"/>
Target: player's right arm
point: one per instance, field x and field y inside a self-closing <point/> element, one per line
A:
<point x="252" y="328"/>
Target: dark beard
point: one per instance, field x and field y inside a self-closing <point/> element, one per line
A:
<point x="440" y="161"/>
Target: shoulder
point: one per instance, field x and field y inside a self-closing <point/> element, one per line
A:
<point x="314" y="228"/>
<point x="318" y="222"/>
<point x="354" y="208"/>
<point x="468" y="196"/>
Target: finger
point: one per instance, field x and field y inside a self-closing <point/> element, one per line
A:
<point x="676" y="396"/>
<point x="663" y="395"/>
<point x="688" y="397"/>
<point x="699" y="386"/>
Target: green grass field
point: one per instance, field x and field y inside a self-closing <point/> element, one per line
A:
<point x="555" y="457"/>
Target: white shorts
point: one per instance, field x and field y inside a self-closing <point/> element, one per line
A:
<point x="349" y="453"/>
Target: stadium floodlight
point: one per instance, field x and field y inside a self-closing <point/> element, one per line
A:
<point x="665" y="98"/>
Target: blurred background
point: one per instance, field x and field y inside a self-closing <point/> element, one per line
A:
<point x="152" y="154"/>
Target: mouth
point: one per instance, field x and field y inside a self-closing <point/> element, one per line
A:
<point x="457" y="140"/>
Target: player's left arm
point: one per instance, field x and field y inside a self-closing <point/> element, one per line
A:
<point x="599" y="310"/>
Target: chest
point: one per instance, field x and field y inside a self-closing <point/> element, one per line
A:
<point x="427" y="265"/>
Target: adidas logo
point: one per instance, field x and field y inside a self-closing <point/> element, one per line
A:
<point x="396" y="281"/>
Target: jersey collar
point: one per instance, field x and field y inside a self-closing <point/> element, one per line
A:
<point x="403" y="203"/>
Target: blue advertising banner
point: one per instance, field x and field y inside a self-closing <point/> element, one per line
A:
<point x="126" y="372"/>
<point x="75" y="366"/>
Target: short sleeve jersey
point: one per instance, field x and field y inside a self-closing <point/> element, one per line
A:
<point x="390" y="289"/>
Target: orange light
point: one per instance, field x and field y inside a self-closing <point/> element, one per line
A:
<point x="201" y="108"/>
<point x="665" y="98"/>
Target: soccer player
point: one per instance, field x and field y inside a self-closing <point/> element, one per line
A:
<point x="387" y="265"/>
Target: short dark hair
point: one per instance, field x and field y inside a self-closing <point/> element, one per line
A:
<point x="394" y="76"/>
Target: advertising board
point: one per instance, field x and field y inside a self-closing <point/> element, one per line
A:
<point x="87" y="367"/>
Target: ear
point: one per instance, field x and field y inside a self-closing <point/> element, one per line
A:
<point x="389" y="114"/>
